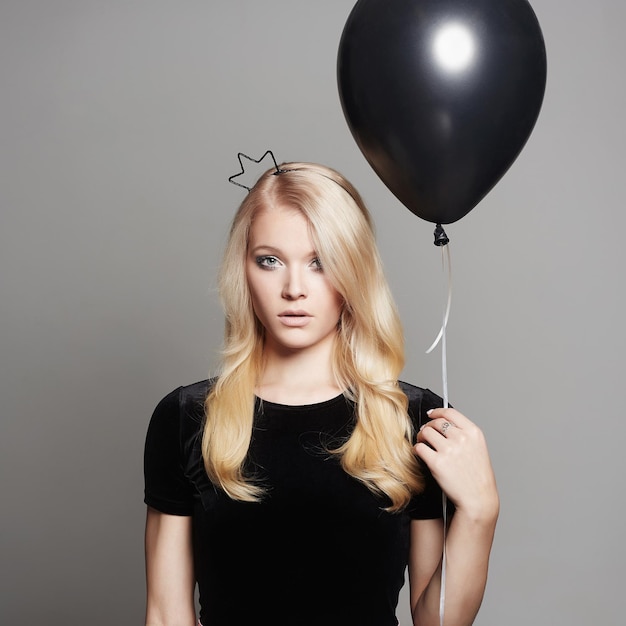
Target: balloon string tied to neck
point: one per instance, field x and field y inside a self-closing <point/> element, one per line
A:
<point x="441" y="337"/>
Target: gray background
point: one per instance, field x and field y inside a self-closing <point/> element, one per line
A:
<point x="120" y="123"/>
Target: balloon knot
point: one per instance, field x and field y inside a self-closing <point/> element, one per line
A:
<point x="441" y="239"/>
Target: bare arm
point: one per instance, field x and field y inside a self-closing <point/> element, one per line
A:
<point x="458" y="458"/>
<point x="170" y="577"/>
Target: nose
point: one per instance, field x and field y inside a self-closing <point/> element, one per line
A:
<point x="295" y="287"/>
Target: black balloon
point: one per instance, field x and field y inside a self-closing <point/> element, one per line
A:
<point x="441" y="95"/>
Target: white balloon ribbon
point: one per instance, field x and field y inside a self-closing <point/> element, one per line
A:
<point x="441" y="337"/>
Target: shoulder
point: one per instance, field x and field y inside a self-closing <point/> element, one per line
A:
<point x="192" y="397"/>
<point x="420" y="394"/>
<point x="420" y="401"/>
<point x="185" y="404"/>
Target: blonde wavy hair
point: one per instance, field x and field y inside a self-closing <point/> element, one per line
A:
<point x="368" y="353"/>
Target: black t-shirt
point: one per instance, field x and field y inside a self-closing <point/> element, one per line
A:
<point x="319" y="549"/>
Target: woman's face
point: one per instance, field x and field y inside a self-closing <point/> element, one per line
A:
<point x="292" y="297"/>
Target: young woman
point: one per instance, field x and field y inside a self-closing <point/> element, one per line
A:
<point x="297" y="486"/>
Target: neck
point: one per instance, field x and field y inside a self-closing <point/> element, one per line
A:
<point x="298" y="377"/>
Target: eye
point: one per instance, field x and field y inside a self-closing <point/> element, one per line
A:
<point x="317" y="265"/>
<point x="267" y="261"/>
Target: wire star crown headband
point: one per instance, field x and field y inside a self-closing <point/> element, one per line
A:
<point x="231" y="179"/>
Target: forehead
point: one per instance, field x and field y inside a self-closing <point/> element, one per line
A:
<point x="282" y="224"/>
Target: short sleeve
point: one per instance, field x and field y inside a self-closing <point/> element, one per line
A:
<point x="429" y="503"/>
<point x="166" y="487"/>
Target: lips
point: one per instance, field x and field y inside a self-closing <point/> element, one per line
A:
<point x="294" y="318"/>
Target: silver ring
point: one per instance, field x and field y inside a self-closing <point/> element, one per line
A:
<point x="444" y="428"/>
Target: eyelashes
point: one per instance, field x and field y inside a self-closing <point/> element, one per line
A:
<point x="271" y="262"/>
<point x="267" y="262"/>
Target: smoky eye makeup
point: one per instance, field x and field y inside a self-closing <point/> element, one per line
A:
<point x="271" y="261"/>
<point x="267" y="261"/>
<point x="317" y="264"/>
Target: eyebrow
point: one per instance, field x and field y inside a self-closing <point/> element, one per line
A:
<point x="273" y="250"/>
<point x="264" y="247"/>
